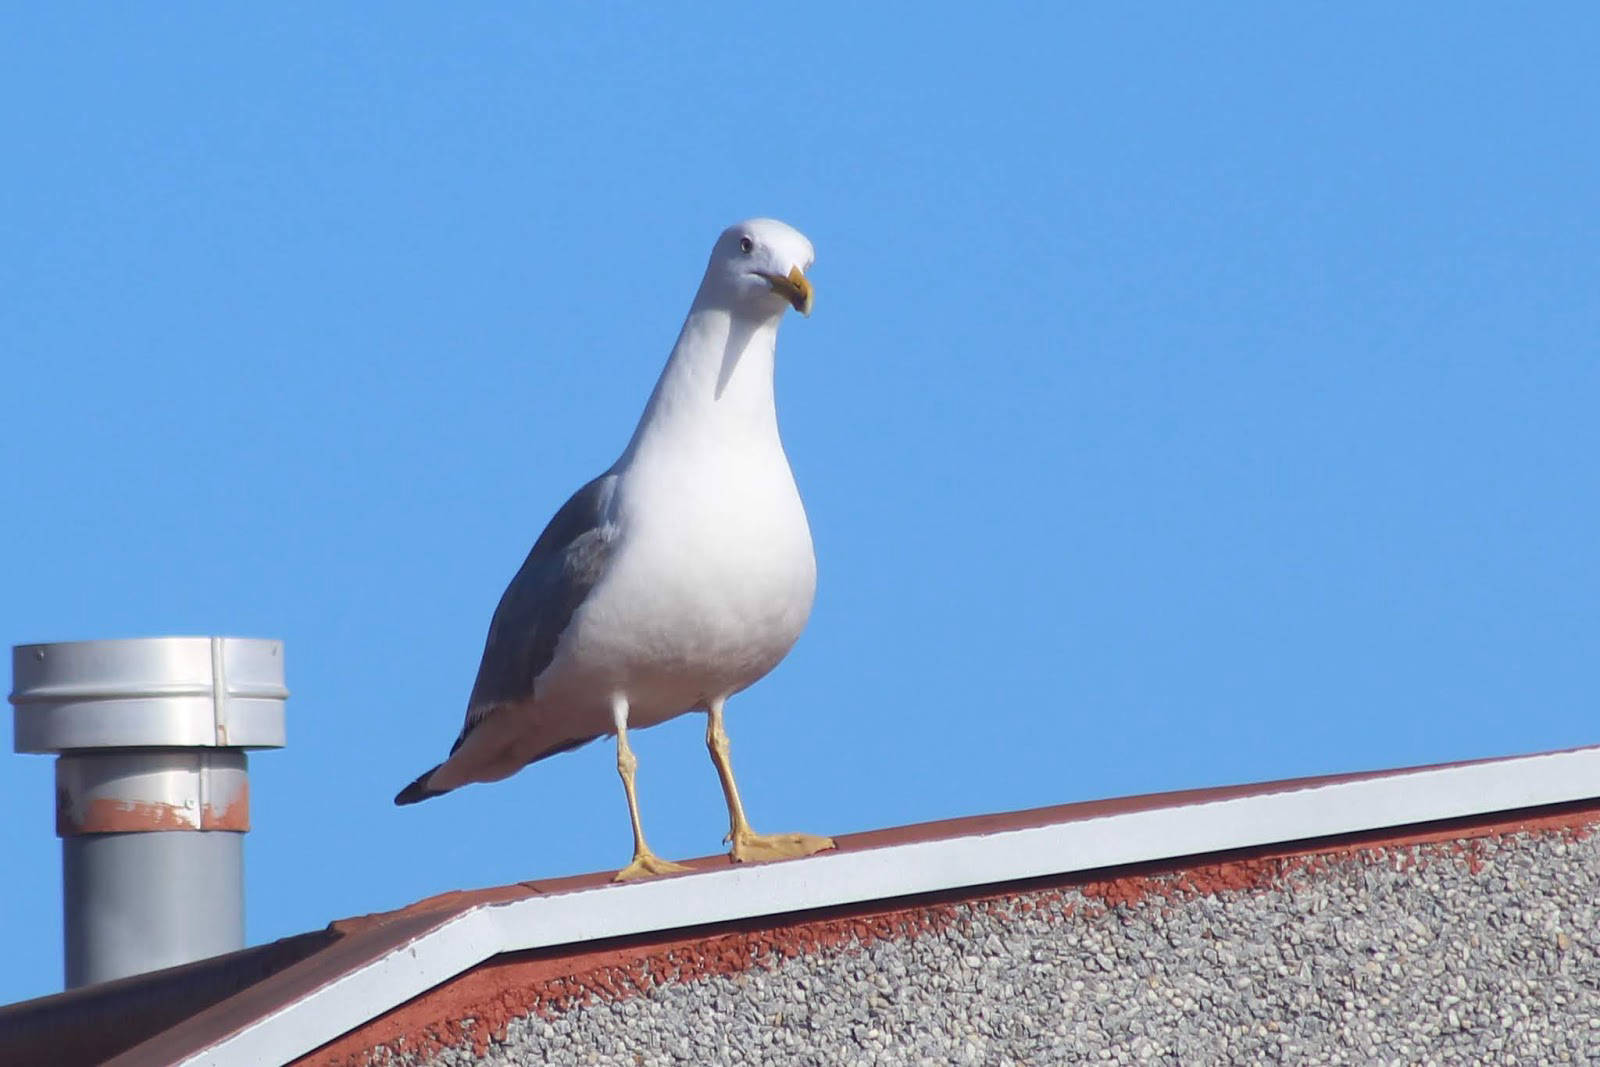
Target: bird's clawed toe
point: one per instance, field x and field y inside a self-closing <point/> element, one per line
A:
<point x="648" y="865"/>
<point x="751" y="847"/>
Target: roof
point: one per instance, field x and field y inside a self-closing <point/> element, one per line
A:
<point x="277" y="1002"/>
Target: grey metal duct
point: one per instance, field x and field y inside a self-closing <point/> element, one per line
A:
<point x="152" y="788"/>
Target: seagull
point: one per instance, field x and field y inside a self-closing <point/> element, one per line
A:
<point x="677" y="578"/>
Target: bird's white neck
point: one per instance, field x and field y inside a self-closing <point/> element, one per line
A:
<point x="717" y="384"/>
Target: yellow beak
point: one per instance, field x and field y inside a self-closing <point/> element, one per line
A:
<point x="796" y="289"/>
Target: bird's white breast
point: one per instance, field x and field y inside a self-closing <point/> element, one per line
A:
<point x="711" y="574"/>
<point x="711" y="584"/>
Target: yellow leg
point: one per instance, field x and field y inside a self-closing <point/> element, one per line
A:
<point x="645" y="863"/>
<point x="749" y="846"/>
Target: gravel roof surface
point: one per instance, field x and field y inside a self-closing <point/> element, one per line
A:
<point x="1481" y="951"/>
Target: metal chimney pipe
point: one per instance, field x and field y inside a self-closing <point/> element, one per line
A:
<point x="152" y="788"/>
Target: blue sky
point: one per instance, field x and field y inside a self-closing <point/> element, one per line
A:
<point x="1190" y="399"/>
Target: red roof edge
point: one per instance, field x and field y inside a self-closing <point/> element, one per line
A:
<point x="95" y="1023"/>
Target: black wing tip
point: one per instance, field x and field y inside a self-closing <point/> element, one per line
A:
<point x="418" y="791"/>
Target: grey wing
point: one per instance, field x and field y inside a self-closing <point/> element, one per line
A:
<point x="563" y="566"/>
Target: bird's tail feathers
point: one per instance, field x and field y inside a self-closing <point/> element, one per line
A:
<point x="418" y="790"/>
<point x="464" y="767"/>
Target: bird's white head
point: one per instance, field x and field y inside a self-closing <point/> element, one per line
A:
<point x="758" y="267"/>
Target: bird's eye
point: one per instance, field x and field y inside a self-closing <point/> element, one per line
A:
<point x="746" y="245"/>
